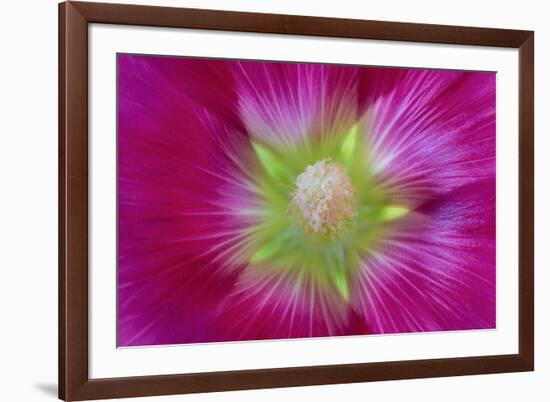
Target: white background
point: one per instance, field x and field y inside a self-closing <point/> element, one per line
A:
<point x="28" y="200"/>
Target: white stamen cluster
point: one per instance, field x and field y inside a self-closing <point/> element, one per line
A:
<point x="324" y="198"/>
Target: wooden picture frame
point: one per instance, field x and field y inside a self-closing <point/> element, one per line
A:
<point x="74" y="381"/>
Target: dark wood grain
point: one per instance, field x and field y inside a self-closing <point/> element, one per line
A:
<point x="298" y="25"/>
<point x="297" y="376"/>
<point x="73" y="196"/>
<point x="74" y="382"/>
<point x="526" y="201"/>
<point x="62" y="205"/>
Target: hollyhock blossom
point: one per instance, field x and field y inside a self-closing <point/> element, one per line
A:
<point x="267" y="200"/>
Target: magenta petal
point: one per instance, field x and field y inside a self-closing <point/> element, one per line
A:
<point x="377" y="82"/>
<point x="434" y="131"/>
<point x="270" y="306"/>
<point x="207" y="83"/>
<point x="432" y="137"/>
<point x="283" y="103"/>
<point x="178" y="187"/>
<point x="438" y="271"/>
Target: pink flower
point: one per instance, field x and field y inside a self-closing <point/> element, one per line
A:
<point x="265" y="200"/>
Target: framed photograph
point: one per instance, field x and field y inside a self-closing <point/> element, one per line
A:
<point x="258" y="200"/>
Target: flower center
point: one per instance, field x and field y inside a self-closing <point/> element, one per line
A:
<point x="324" y="199"/>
